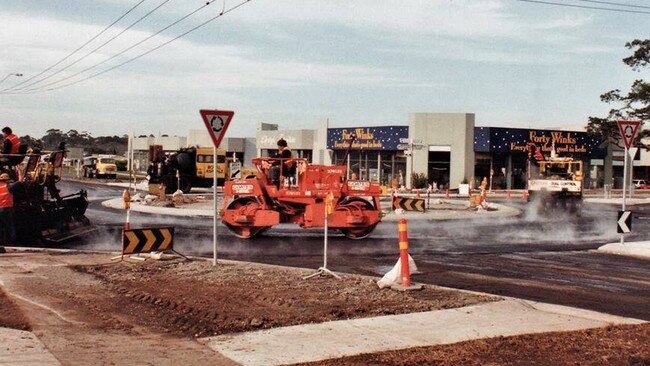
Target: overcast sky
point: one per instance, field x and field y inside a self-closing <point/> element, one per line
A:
<point x="363" y="62"/>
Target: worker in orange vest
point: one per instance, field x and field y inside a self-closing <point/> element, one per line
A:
<point x="7" y="191"/>
<point x="11" y="144"/>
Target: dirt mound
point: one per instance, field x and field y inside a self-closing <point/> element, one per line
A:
<point x="195" y="299"/>
<point x="10" y="315"/>
<point x="620" y="345"/>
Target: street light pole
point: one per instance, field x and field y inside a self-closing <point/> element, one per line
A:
<point x="11" y="74"/>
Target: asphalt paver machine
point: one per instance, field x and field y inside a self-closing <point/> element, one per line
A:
<point x="41" y="213"/>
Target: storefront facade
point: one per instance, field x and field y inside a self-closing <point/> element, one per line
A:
<point x="373" y="155"/>
<point x="504" y="152"/>
<point x="447" y="148"/>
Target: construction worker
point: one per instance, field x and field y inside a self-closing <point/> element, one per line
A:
<point x="11" y="144"/>
<point x="288" y="165"/>
<point x="7" y="191"/>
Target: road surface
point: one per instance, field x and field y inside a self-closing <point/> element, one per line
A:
<point x="532" y="257"/>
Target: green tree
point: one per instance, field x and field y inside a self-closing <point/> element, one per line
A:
<point x="634" y="104"/>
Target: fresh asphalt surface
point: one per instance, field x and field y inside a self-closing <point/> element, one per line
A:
<point x="546" y="259"/>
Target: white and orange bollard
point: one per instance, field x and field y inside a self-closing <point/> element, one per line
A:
<point x="405" y="274"/>
<point x="126" y="196"/>
<point x="447" y="194"/>
<point x="405" y="271"/>
<point x="524" y="196"/>
<point x="508" y="195"/>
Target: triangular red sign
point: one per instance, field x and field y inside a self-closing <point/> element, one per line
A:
<point x="217" y="123"/>
<point x="628" y="130"/>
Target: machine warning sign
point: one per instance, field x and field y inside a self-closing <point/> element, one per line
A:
<point x="235" y="170"/>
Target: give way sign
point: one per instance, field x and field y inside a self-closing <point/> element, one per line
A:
<point x="628" y="130"/>
<point x="217" y="123"/>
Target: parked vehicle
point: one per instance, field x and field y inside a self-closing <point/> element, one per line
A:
<point x="641" y="184"/>
<point x="99" y="166"/>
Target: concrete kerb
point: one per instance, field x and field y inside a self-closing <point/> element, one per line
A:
<point x="502" y="211"/>
<point x="639" y="249"/>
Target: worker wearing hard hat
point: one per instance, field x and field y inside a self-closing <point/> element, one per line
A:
<point x="7" y="191"/>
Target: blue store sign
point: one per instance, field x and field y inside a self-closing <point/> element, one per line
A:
<point x="368" y="138"/>
<point x="515" y="140"/>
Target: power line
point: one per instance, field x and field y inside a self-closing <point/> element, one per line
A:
<point x="224" y="12"/>
<point x="586" y="7"/>
<point x="96" y="48"/>
<point x="616" y="4"/>
<point x="126" y="49"/>
<point x="80" y="47"/>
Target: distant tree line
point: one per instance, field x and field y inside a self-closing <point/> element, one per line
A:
<point x="74" y="138"/>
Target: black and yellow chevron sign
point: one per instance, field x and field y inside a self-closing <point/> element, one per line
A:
<point x="147" y="240"/>
<point x="409" y="204"/>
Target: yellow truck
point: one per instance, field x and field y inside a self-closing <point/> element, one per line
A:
<point x="99" y="166"/>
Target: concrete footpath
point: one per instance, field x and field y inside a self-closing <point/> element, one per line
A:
<point x="19" y="347"/>
<point x="314" y="342"/>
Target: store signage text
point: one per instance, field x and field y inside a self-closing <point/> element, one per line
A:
<point x="366" y="138"/>
<point x="565" y="142"/>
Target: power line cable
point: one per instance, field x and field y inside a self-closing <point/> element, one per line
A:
<point x="148" y="51"/>
<point x="96" y="48"/>
<point x="80" y="47"/>
<point x="128" y="48"/>
<point x="616" y="4"/>
<point x="585" y="7"/>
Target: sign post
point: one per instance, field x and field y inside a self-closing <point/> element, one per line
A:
<point x="628" y="131"/>
<point x="217" y="123"/>
<point x="323" y="271"/>
<point x="409" y="145"/>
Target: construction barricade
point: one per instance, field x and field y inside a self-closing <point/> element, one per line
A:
<point x="409" y="204"/>
<point x="148" y="240"/>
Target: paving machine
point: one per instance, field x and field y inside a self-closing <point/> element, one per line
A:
<point x="41" y="214"/>
<point x="254" y="205"/>
<point x="554" y="183"/>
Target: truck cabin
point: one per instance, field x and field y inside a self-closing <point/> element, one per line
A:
<point x="566" y="169"/>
